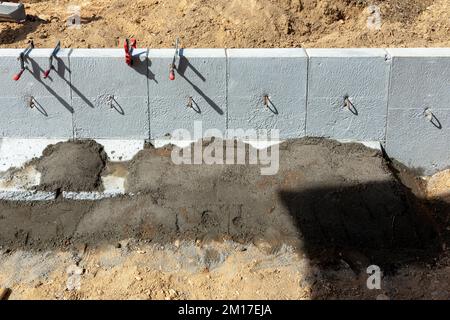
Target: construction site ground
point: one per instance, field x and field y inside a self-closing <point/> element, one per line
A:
<point x="232" y="24"/>
<point x="227" y="232"/>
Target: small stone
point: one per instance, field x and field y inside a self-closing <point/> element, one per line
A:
<point x="74" y="270"/>
<point x="138" y="278"/>
<point x="383" y="297"/>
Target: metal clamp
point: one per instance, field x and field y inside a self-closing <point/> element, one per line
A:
<point x="172" y="66"/>
<point x="50" y="59"/>
<point x="21" y="58"/>
<point x="129" y="46"/>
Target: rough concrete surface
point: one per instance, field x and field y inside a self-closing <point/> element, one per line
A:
<point x="71" y="166"/>
<point x="281" y="76"/>
<point x="309" y="231"/>
<point x="366" y="206"/>
<point x="360" y="94"/>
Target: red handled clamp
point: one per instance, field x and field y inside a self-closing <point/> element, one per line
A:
<point x="50" y="60"/>
<point x="172" y="66"/>
<point x="129" y="46"/>
<point x="22" y="56"/>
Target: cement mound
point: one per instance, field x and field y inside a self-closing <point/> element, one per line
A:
<point x="71" y="166"/>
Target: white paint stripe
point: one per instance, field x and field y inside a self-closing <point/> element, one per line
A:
<point x="257" y="144"/>
<point x="33" y="196"/>
<point x="16" y="152"/>
<point x="121" y="150"/>
<point x="27" y="196"/>
<point x="369" y="144"/>
<point x="91" y="196"/>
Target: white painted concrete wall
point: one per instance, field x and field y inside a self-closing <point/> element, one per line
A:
<point x="92" y="93"/>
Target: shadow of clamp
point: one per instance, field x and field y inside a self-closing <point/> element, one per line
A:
<point x="172" y="66"/>
<point x="50" y="59"/>
<point x="129" y="46"/>
<point x="21" y="58"/>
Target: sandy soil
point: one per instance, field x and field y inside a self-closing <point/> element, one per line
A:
<point x="213" y="231"/>
<point x="309" y="232"/>
<point x="235" y="23"/>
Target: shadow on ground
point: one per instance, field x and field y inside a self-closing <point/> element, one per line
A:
<point x="20" y="31"/>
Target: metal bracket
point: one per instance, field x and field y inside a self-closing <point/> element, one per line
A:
<point x="110" y="99"/>
<point x="432" y="118"/>
<point x="190" y="102"/>
<point x="129" y="45"/>
<point x="172" y="66"/>
<point x="428" y="114"/>
<point x="30" y="102"/>
<point x="21" y="58"/>
<point x="349" y="105"/>
<point x="266" y="100"/>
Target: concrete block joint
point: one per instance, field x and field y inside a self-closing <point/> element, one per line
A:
<point x="400" y="97"/>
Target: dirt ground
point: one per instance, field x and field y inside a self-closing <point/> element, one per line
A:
<point x="234" y="23"/>
<point x="192" y="232"/>
<point x="226" y="231"/>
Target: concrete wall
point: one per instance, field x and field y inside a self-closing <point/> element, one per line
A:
<point x="280" y="75"/>
<point x="361" y="76"/>
<point x="420" y="80"/>
<point x="51" y="115"/>
<point x="358" y="94"/>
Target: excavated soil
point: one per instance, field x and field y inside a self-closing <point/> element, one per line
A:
<point x="309" y="231"/>
<point x="235" y="23"/>
<point x="227" y="232"/>
<point x="71" y="166"/>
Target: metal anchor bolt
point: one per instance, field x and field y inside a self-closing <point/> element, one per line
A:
<point x="266" y="100"/>
<point x="347" y="103"/>
<point x="190" y="102"/>
<point x="31" y="103"/>
<point x="429" y="114"/>
<point x="110" y="100"/>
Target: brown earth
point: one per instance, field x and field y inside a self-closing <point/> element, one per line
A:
<point x="226" y="231"/>
<point x="234" y="23"/>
